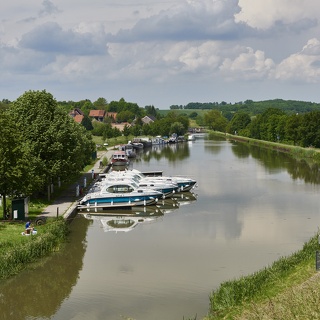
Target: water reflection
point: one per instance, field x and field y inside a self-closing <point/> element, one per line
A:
<point x="275" y="161"/>
<point x="172" y="152"/>
<point x="39" y="295"/>
<point x="125" y="220"/>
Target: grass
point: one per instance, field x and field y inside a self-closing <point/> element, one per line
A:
<point x="98" y="140"/>
<point x="235" y="298"/>
<point x="16" y="251"/>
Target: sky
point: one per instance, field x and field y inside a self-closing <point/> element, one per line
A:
<point x="161" y="52"/>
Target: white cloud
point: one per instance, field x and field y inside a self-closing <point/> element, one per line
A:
<point x="248" y="65"/>
<point x="266" y="14"/>
<point x="303" y="66"/>
<point x="166" y="50"/>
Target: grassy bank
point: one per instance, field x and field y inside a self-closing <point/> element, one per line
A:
<point x="16" y="250"/>
<point x="311" y="155"/>
<point x="289" y="288"/>
<point x="257" y="296"/>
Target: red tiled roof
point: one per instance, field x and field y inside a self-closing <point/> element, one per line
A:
<point x="97" y="113"/>
<point x="78" y="118"/>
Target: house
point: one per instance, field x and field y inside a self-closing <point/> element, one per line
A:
<point x="75" y="112"/>
<point x="148" y="119"/>
<point x="78" y="118"/>
<point x="97" y="115"/>
<point x="77" y="115"/>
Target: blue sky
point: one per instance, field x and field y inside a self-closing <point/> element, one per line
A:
<point x="161" y="52"/>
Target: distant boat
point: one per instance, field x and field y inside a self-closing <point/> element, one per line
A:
<point x="191" y="137"/>
<point x="128" y="149"/>
<point x="119" y="158"/>
<point x="158" y="141"/>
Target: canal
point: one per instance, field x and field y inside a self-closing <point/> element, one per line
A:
<point x="251" y="206"/>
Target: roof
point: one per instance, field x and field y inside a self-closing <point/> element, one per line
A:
<point x="97" y="113"/>
<point x="148" y="119"/>
<point x="78" y="118"/>
<point x="75" y="112"/>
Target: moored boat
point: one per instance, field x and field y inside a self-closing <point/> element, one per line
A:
<point x="168" y="188"/>
<point x="184" y="183"/>
<point x="119" y="194"/>
<point x="119" y="158"/>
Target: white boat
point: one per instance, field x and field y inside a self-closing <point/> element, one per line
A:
<point x="168" y="189"/>
<point x="118" y="194"/>
<point x="119" y="158"/>
<point x="158" y="141"/>
<point x="184" y="183"/>
<point x="191" y="137"/>
<point x="128" y="149"/>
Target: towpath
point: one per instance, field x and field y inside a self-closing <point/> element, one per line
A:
<point x="67" y="201"/>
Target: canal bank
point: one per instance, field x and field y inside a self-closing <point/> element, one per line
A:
<point x="66" y="204"/>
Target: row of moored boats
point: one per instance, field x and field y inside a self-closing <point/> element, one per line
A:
<point x="131" y="188"/>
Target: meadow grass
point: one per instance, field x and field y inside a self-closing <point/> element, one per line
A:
<point x="16" y="250"/>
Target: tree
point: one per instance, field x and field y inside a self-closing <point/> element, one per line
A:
<point x="16" y="163"/>
<point x="59" y="146"/>
<point x="215" y="120"/>
<point x="87" y="123"/>
<point x="239" y="122"/>
<point x="101" y="103"/>
<point x="177" y="127"/>
<point x="292" y="126"/>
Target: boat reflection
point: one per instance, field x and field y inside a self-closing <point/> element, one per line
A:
<point x="185" y="198"/>
<point x="125" y="220"/>
<point x="168" y="205"/>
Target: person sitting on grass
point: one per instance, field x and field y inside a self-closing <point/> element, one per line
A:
<point x="29" y="227"/>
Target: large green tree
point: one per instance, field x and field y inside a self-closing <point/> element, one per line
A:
<point x="16" y="164"/>
<point x="60" y="146"/>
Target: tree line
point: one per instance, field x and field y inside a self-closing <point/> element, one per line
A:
<point x="275" y="125"/>
<point x="252" y="107"/>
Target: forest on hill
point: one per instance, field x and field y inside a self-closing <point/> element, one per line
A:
<point x="253" y="107"/>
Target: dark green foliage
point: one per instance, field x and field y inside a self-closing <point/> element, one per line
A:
<point x="239" y="122"/>
<point x="254" y="107"/>
<point x="86" y="122"/>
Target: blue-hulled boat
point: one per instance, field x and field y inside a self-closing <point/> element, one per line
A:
<point x="119" y="194"/>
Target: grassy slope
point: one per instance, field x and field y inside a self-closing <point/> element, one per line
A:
<point x="291" y="293"/>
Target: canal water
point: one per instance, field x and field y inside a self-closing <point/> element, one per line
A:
<point x="251" y="206"/>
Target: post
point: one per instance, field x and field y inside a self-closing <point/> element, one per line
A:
<point x="57" y="212"/>
<point x="77" y="190"/>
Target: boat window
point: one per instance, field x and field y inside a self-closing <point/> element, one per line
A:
<point x="120" y="189"/>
